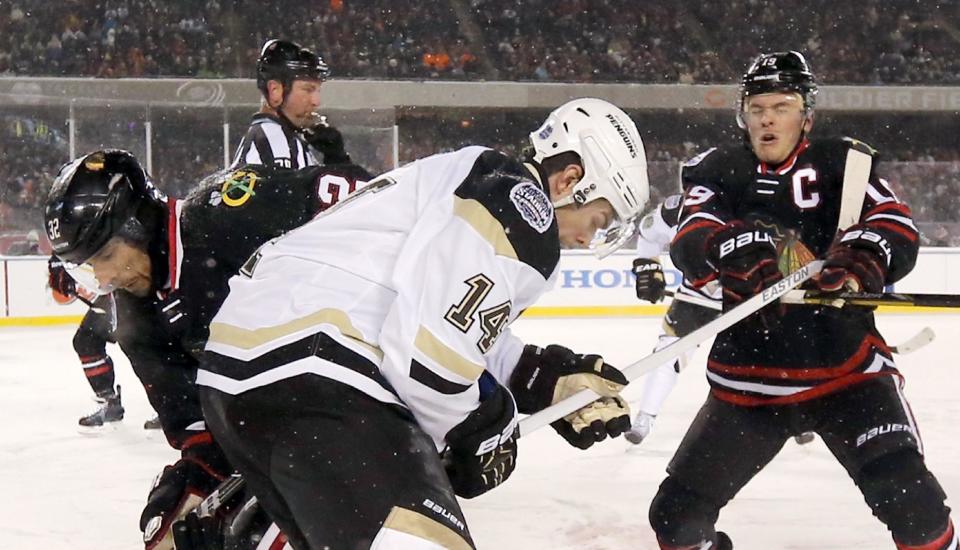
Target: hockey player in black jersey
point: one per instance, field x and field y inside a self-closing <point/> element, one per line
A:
<point x="90" y="343"/>
<point x="338" y="371"/>
<point x="795" y="368"/>
<point x="288" y="132"/>
<point x="167" y="263"/>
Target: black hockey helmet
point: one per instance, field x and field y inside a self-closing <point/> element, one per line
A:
<point x="778" y="72"/>
<point x="287" y="61"/>
<point x="99" y="196"/>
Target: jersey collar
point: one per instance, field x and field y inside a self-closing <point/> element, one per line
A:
<point x="174" y="244"/>
<point x="277" y="117"/>
<point x="538" y="176"/>
<point x="787" y="165"/>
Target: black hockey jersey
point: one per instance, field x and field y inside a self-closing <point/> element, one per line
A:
<point x="811" y="350"/>
<point x="207" y="238"/>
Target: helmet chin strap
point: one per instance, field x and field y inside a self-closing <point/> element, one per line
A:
<point x="569" y="199"/>
<point x="565" y="201"/>
<point x="287" y="88"/>
<point x="281" y="115"/>
<point x="283" y="118"/>
<point x="537" y="172"/>
<point x="807" y="117"/>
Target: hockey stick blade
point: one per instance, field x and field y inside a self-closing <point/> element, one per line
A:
<point x="636" y="370"/>
<point x="919" y="340"/>
<point x="856" y="177"/>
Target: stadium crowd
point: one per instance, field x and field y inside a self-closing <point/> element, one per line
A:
<point x="871" y="42"/>
<point x="874" y="41"/>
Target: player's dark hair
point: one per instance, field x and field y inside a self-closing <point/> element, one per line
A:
<point x="557" y="163"/>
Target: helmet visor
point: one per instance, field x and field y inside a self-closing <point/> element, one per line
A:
<point x="121" y="264"/>
<point x="616" y="235"/>
<point x="85" y="277"/>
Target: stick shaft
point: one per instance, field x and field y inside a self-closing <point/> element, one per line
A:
<point x="858" y="299"/>
<point x="636" y="370"/>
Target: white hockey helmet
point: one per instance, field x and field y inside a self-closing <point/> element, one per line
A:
<point x="613" y="158"/>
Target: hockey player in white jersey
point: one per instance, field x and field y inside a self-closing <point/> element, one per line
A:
<point x="657" y="229"/>
<point x="357" y="375"/>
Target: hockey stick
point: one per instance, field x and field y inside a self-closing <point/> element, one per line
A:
<point x="695" y="300"/>
<point x="891" y="299"/>
<point x="918" y="340"/>
<point x="636" y="370"/>
<point x="856" y="176"/>
<point x="838" y="299"/>
<point x="223" y="493"/>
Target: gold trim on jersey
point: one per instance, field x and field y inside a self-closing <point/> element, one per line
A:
<point x="485" y="224"/>
<point x="419" y="525"/>
<point x="238" y="337"/>
<point x="445" y="356"/>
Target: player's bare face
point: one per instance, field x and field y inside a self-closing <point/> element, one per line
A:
<point x="120" y="265"/>
<point x="579" y="225"/>
<point x="774" y="122"/>
<point x="302" y="102"/>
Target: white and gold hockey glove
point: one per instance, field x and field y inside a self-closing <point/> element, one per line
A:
<point x="545" y="376"/>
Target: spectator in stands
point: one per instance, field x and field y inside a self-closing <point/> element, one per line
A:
<point x="30" y="246"/>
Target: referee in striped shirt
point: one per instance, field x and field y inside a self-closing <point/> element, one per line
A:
<point x="287" y="133"/>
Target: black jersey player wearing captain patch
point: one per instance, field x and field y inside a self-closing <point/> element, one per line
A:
<point x="167" y="262"/>
<point x="797" y="368"/>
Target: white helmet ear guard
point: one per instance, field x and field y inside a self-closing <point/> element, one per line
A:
<point x="612" y="154"/>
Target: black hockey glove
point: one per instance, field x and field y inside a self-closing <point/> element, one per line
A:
<point x="58" y="279"/>
<point x="328" y="141"/>
<point x="745" y="259"/>
<point x="545" y="376"/>
<point x="196" y="533"/>
<point x="233" y="520"/>
<point x="482" y="450"/>
<point x="179" y="488"/>
<point x="650" y="280"/>
<point x="857" y="261"/>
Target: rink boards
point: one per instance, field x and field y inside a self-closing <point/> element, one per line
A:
<point x="586" y="287"/>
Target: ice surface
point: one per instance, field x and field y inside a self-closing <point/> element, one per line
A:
<point x="64" y="490"/>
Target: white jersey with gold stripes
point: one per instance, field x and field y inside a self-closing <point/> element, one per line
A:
<point x="420" y="274"/>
